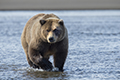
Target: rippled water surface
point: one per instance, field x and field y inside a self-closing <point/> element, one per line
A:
<point x="94" y="46"/>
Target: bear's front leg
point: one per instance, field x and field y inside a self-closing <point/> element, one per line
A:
<point x="59" y="59"/>
<point x="38" y="59"/>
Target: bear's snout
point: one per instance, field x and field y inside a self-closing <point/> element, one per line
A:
<point x="51" y="39"/>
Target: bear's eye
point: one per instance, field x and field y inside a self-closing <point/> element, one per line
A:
<point x="48" y="30"/>
<point x="57" y="32"/>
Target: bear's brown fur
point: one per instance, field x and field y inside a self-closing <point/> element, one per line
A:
<point x="45" y="35"/>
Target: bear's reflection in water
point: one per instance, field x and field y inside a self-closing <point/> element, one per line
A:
<point x="39" y="74"/>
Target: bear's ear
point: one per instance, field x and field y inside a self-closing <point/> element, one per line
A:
<point x="42" y="22"/>
<point x="61" y="22"/>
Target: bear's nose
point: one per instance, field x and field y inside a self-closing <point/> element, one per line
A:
<point x="51" y="39"/>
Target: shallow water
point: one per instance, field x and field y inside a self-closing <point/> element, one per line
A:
<point x="94" y="46"/>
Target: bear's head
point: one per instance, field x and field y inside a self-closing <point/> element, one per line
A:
<point x="52" y="30"/>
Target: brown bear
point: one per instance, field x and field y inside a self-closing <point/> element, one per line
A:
<point x="45" y="35"/>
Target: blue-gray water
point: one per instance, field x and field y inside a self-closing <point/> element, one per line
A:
<point x="94" y="46"/>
